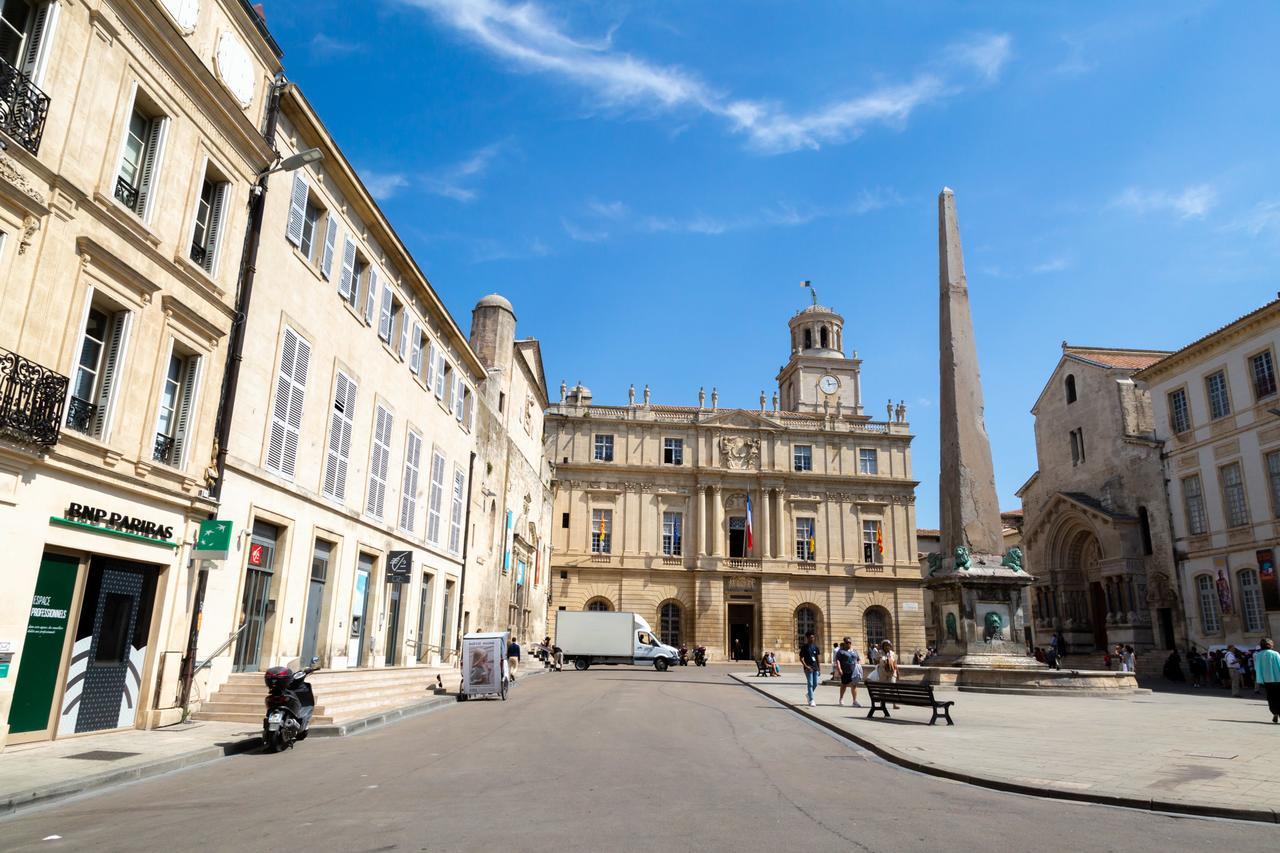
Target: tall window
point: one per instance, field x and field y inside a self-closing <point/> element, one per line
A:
<point x="1219" y="401"/>
<point x="177" y="403"/>
<point x="1077" y="446"/>
<point x="1071" y="390"/>
<point x="806" y="623"/>
<point x="601" y="531"/>
<point x="673" y="451"/>
<point x="868" y="461"/>
<point x="1179" y="412"/>
<point x="206" y="234"/>
<point x="25" y="35"/>
<point x="598" y="605"/>
<point x="1263" y="371"/>
<point x="672" y="524"/>
<point x="669" y="623"/>
<point x="309" y="240"/>
<point x="379" y="463"/>
<point x="806" y="544"/>
<point x="1193" y="498"/>
<point x="802" y="457"/>
<point x="455" y="511"/>
<point x="1233" y="495"/>
<point x="1144" y="529"/>
<point x="1273" y="476"/>
<point x="341" y="422"/>
<point x="409" y="483"/>
<point x="604" y="448"/>
<point x="286" y="409"/>
<point x="1251" y="606"/>
<point x="872" y="542"/>
<point x="1208" y="596"/>
<point x="435" y="499"/>
<point x="101" y="357"/>
<point x="138" y="175"/>
<point x="876" y="627"/>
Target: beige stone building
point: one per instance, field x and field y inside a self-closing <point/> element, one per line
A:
<point x="132" y="136"/>
<point x="740" y="529"/>
<point x="1217" y="413"/>
<point x="1096" y="527"/>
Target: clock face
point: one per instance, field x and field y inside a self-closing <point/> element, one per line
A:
<point x="829" y="384"/>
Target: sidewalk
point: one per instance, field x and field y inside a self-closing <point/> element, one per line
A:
<point x="1202" y="753"/>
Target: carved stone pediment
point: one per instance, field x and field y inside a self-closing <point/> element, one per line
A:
<point x="739" y="452"/>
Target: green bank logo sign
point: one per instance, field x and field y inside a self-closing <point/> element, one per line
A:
<point x="117" y="521"/>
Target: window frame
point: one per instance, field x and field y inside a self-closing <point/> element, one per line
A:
<point x="870" y="553"/>
<point x="601" y="543"/>
<point x="1207" y="604"/>
<point x="602" y="447"/>
<point x="865" y="454"/>
<point x="1193" y="505"/>
<point x="672" y="533"/>
<point x="153" y="147"/>
<point x="796" y="453"/>
<point x="672" y="450"/>
<point x="1234" y="512"/>
<point x="1271" y="461"/>
<point x="806" y="553"/>
<point x="1250" y="361"/>
<point x="1253" y="610"/>
<point x="1179" y="393"/>
<point x="1225" y="396"/>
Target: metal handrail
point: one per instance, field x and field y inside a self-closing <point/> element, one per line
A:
<point x="222" y="648"/>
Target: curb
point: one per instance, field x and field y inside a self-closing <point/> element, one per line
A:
<point x="894" y="757"/>
<point x="383" y="718"/>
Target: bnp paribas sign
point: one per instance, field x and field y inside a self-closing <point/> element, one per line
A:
<point x="214" y="540"/>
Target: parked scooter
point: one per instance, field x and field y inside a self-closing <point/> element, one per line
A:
<point x="290" y="703"/>
<point x="684" y="655"/>
<point x="700" y="655"/>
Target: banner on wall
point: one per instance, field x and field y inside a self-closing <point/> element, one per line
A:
<point x="1267" y="575"/>
<point x="508" y="541"/>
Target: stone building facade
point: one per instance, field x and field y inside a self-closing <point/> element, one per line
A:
<point x="1096" y="528"/>
<point x="132" y="133"/>
<point x="740" y="529"/>
<point x="1217" y="412"/>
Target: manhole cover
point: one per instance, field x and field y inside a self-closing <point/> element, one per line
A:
<point x="102" y="755"/>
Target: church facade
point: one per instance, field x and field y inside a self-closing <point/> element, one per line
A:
<point x="742" y="529"/>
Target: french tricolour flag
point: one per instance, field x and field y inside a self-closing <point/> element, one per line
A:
<point x="749" y="544"/>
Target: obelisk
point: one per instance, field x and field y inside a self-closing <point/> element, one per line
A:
<point x="970" y="511"/>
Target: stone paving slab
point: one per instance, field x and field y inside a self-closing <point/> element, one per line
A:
<point x="1201" y="753"/>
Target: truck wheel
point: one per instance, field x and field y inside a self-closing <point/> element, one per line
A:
<point x="660" y="664"/>
<point x="580" y="664"/>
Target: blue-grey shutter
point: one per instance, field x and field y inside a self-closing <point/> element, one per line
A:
<point x="371" y="294"/>
<point x="297" y="210"/>
<point x="348" y="268"/>
<point x="330" y="240"/>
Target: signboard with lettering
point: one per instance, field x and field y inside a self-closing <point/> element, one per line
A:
<point x="400" y="567"/>
<point x="42" y="651"/>
<point x="214" y="540"/>
<point x="92" y="515"/>
<point x="257" y="553"/>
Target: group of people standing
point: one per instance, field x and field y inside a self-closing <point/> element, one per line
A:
<point x="846" y="667"/>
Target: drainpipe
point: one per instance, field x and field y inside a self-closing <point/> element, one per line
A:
<point x="466" y="541"/>
<point x="231" y="371"/>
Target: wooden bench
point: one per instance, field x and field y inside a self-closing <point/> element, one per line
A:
<point x="914" y="694"/>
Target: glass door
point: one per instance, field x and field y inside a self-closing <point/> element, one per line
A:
<point x="257" y="595"/>
<point x="393" y="623"/>
<point x="315" y="599"/>
<point x="359" y="607"/>
<point x="424" y="620"/>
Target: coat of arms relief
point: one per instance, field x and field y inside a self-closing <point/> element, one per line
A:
<point x="739" y="452"/>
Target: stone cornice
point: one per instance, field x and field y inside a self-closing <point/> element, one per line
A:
<point x="1264" y="317"/>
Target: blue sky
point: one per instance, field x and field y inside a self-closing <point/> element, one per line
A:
<point x="648" y="182"/>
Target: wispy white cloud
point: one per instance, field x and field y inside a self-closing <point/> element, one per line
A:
<point x="526" y="35"/>
<point x="457" y="181"/>
<point x="1191" y="203"/>
<point x="608" y="210"/>
<point x="583" y="235"/>
<point x="1263" y="218"/>
<point x="383" y="185"/>
<point x="328" y="47"/>
<point x="1050" y="265"/>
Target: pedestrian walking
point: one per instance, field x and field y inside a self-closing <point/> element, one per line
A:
<point x="513" y="657"/>
<point x="1173" y="667"/>
<point x="1130" y="658"/>
<point x="1051" y="656"/>
<point x="1197" y="666"/>
<point x="1266" y="662"/>
<point x="835" y="664"/>
<point x="850" y="667"/>
<point x="1235" y="668"/>
<point x="888" y="663"/>
<point x="809" y="660"/>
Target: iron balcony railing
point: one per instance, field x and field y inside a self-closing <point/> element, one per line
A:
<point x="81" y="415"/>
<point x="127" y="193"/>
<point x="199" y="254"/>
<point x="23" y="108"/>
<point x="31" y="400"/>
<point x="163" y="451"/>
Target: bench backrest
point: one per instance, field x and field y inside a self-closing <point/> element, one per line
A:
<point x="907" y="690"/>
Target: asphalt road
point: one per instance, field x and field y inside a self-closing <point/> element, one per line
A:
<point x="606" y="760"/>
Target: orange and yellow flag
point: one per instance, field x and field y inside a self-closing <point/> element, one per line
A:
<point x="879" y="541"/>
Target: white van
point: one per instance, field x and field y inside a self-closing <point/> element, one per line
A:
<point x="603" y="637"/>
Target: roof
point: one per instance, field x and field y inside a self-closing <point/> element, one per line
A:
<point x="1202" y="343"/>
<point x="1092" y="503"/>
<point x="1124" y="359"/>
<point x="496" y="300"/>
<point x="927" y="533"/>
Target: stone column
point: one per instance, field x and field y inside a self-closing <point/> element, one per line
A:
<point x="766" y="498"/>
<point x="700" y="512"/>
<point x="717" y="521"/>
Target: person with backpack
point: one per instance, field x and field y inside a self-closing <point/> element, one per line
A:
<point x="849" y="666"/>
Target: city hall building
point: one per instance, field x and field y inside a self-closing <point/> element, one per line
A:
<point x="742" y="529"/>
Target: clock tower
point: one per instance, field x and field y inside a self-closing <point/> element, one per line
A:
<point x="818" y="376"/>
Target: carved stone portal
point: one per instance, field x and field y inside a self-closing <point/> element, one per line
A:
<point x="740" y="452"/>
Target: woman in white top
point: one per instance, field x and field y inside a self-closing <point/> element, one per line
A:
<point x="888" y="663"/>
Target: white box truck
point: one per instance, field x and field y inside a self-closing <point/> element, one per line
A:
<point x="605" y="637"/>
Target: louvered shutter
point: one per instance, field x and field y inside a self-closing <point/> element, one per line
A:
<point x="217" y="211"/>
<point x="404" y="333"/>
<point x="434" y="499"/>
<point x="280" y="405"/>
<point x="112" y="367"/>
<point x="371" y="497"/>
<point x="344" y="450"/>
<point x="384" y="319"/>
<point x="300" y="369"/>
<point x="333" y="486"/>
<point x="150" y="175"/>
<point x="330" y="240"/>
<point x="40" y="44"/>
<point x="297" y="210"/>
<point x="458" y="386"/>
<point x="415" y="353"/>
<point x="348" y="268"/>
<point x="409" y="489"/>
<point x="379" y="461"/>
<point x="439" y="383"/>
<point x="186" y="409"/>
<point x="370" y="296"/>
<point x="431" y="365"/>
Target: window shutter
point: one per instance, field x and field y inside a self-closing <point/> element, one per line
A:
<point x="431" y="366"/>
<point x="348" y="268"/>
<point x="379" y="462"/>
<point x="404" y="333"/>
<point x="409" y="490"/>
<point x="151" y="165"/>
<point x="333" y="486"/>
<point x="297" y="210"/>
<point x="216" y="212"/>
<point x="40" y="45"/>
<point x="371" y="294"/>
<point x="111" y="366"/>
<point x="415" y="353"/>
<point x="458" y="385"/>
<point x="186" y="409"/>
<point x="300" y="369"/>
<point x="436" y="496"/>
<point x="439" y="376"/>
<point x="286" y="412"/>
<point x="330" y="240"/>
<point x="384" y="319"/>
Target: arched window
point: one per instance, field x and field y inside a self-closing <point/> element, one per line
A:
<point x="599" y="605"/>
<point x="806" y="621"/>
<point x="669" y="623"/>
<point x="1251" y="602"/>
<point x="1071" y="389"/>
<point x="823" y="339"/>
<point x="1208" y="596"/>
<point x="876" y="624"/>
<point x="808" y="339"/>
<point x="1144" y="525"/>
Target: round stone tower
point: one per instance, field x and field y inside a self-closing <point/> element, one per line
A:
<point x="493" y="332"/>
<point x="817" y="330"/>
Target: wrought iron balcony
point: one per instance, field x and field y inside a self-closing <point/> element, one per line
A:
<point x="31" y="399"/>
<point x="198" y="254"/>
<point x="127" y="193"/>
<point x="163" y="451"/>
<point x="81" y="415"/>
<point x="23" y="108"/>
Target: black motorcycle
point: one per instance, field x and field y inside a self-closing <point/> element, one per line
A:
<point x="684" y="655"/>
<point x="290" y="703"/>
<point x="700" y="655"/>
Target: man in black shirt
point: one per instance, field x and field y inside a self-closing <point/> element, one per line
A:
<point x="812" y="666"/>
<point x="513" y="657"/>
